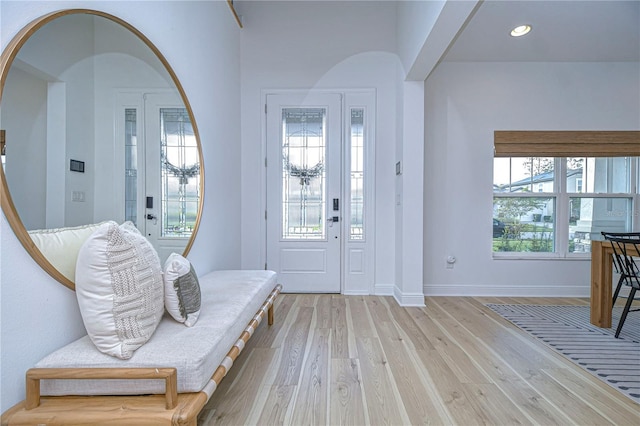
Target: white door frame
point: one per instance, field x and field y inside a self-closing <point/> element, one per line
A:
<point x="361" y="279"/>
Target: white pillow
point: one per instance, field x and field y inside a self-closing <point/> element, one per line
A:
<point x="181" y="290"/>
<point x="61" y="246"/>
<point x="119" y="288"/>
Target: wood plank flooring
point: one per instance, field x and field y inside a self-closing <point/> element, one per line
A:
<point x="364" y="360"/>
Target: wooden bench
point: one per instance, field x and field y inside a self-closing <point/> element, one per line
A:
<point x="170" y="406"/>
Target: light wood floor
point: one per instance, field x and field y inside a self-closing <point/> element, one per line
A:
<point x="352" y="360"/>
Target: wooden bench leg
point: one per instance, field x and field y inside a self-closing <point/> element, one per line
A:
<point x="270" y="315"/>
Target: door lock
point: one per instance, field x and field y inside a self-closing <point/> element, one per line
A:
<point x="152" y="217"/>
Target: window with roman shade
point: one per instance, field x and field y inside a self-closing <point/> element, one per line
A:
<point x="555" y="191"/>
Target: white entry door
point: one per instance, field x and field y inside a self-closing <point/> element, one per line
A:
<point x="158" y="152"/>
<point x="304" y="209"/>
<point x="172" y="174"/>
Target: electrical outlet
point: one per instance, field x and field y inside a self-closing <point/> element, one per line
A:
<point x="451" y="260"/>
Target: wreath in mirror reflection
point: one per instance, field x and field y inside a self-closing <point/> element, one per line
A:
<point x="182" y="173"/>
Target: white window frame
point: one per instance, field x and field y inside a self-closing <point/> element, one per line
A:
<point x="561" y="211"/>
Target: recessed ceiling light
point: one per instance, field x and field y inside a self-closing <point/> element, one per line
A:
<point x="520" y="30"/>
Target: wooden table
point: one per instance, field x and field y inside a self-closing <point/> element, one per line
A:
<point x="601" y="277"/>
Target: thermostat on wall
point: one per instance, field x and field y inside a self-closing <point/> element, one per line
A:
<point x="77" y="166"/>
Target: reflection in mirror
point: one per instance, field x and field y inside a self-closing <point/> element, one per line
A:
<point x="97" y="128"/>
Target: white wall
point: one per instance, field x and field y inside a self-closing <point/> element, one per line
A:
<point x="318" y="45"/>
<point x="26" y="144"/>
<point x="464" y="104"/>
<point x="201" y="42"/>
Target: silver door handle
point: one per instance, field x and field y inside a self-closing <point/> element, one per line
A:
<point x="152" y="217"/>
<point x="334" y="219"/>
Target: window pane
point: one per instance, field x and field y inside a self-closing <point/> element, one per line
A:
<point x="523" y="224"/>
<point x="598" y="175"/>
<point x="131" y="165"/>
<point x="180" y="173"/>
<point x="357" y="174"/>
<point x="523" y="174"/>
<point x="303" y="174"/>
<point x="590" y="216"/>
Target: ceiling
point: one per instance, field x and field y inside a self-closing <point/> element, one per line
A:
<point x="567" y="31"/>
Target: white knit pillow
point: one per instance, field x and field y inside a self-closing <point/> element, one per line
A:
<point x="181" y="290"/>
<point x="119" y="288"/>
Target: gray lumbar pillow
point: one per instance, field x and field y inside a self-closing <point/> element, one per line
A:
<point x="182" y="290"/>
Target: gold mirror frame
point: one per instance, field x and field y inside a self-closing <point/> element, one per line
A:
<point x="6" y="59"/>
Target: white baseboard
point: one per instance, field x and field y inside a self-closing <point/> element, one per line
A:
<point x="415" y="299"/>
<point x="408" y="299"/>
<point x="507" y="291"/>
<point x="356" y="293"/>
<point x="383" y="289"/>
<point x="403" y="299"/>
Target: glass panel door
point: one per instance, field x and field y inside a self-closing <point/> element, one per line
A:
<point x="171" y="174"/>
<point x="303" y="217"/>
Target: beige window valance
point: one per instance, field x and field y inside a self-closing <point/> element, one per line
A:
<point x="566" y="143"/>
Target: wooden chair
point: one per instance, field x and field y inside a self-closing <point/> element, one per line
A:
<point x="627" y="251"/>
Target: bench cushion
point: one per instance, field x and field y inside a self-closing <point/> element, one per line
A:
<point x="230" y="299"/>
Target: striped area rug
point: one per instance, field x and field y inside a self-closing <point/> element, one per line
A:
<point x="567" y="329"/>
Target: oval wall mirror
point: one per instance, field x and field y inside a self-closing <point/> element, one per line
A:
<point x="95" y="126"/>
